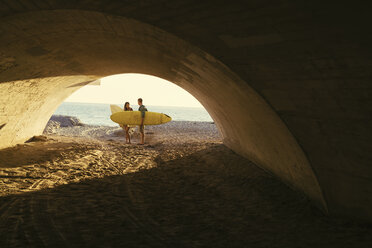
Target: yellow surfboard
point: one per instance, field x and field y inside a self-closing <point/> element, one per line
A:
<point x="115" y="108"/>
<point x="134" y="118"/>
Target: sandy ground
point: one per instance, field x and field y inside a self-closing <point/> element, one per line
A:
<point x="82" y="186"/>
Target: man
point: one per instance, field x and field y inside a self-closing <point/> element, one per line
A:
<point x="143" y="110"/>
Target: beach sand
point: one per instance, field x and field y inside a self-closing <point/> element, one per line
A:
<point x="82" y="186"/>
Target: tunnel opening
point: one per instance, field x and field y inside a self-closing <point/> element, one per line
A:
<point x="90" y="106"/>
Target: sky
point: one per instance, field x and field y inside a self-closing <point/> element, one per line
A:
<point x="129" y="87"/>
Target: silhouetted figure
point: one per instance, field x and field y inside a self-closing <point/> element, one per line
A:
<point x="143" y="110"/>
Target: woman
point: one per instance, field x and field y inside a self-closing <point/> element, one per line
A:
<point x="126" y="127"/>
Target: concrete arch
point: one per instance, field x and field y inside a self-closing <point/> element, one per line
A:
<point x="49" y="54"/>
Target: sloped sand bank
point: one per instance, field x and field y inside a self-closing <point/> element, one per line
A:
<point x="183" y="189"/>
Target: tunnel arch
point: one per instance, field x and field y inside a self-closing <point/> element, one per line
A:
<point x="50" y="54"/>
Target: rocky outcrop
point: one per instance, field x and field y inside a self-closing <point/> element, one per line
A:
<point x="58" y="121"/>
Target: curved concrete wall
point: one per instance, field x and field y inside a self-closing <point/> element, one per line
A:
<point x="309" y="62"/>
<point x="130" y="46"/>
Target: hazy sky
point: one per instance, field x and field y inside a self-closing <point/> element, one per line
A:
<point x="129" y="87"/>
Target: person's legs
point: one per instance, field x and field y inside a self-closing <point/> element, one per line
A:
<point x="127" y="136"/>
<point x="142" y="131"/>
<point x="124" y="127"/>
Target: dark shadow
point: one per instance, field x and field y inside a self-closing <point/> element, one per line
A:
<point x="2" y="125"/>
<point x="212" y="198"/>
<point x="37" y="51"/>
<point x="38" y="138"/>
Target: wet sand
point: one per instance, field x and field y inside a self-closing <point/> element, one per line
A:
<point x="82" y="186"/>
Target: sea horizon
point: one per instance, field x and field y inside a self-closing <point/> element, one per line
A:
<point x="99" y="113"/>
<point x="121" y="104"/>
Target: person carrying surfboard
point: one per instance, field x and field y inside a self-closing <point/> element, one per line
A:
<point x="143" y="110"/>
<point x="126" y="127"/>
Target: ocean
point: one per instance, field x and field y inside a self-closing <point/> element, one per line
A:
<point x="99" y="113"/>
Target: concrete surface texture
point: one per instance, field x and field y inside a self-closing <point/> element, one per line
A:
<point x="288" y="83"/>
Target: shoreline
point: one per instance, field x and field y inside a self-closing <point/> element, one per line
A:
<point x="174" y="131"/>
